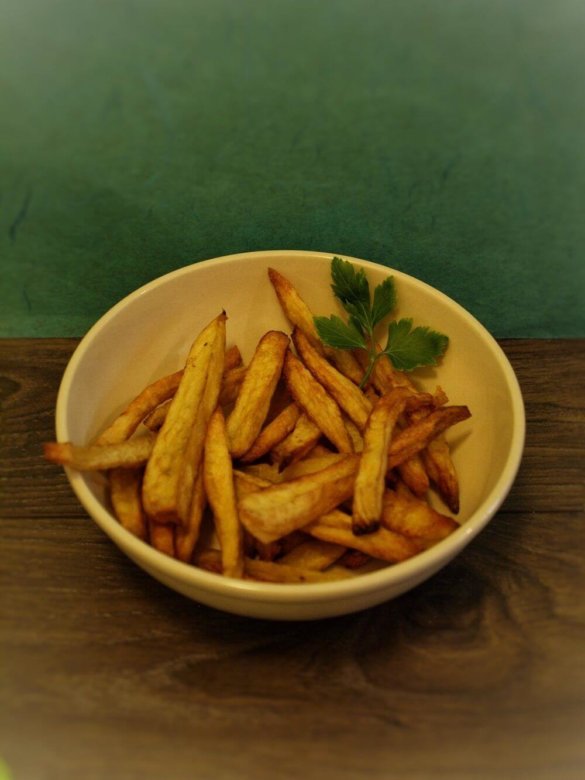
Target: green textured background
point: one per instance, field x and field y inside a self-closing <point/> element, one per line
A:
<point x="444" y="138"/>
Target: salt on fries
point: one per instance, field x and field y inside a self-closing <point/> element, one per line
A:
<point x="282" y="470"/>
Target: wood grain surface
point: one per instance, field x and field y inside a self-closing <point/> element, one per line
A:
<point x="478" y="673"/>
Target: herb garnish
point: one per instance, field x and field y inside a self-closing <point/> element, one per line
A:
<point x="407" y="347"/>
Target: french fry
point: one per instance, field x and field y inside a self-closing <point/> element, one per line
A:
<point x="300" y="316"/>
<point x="416" y="437"/>
<point x="220" y="490"/>
<point x="232" y="381"/>
<point x="165" y="465"/>
<point x="441" y="470"/>
<point x="371" y="474"/>
<point x="126" y="454"/>
<point x="312" y="397"/>
<point x="348" y="395"/>
<point x="311" y="464"/>
<point x="287" y="506"/>
<point x="253" y="401"/>
<point x="154" y="420"/>
<point x="415" y="475"/>
<point x="273" y="433"/>
<point x="231" y="385"/>
<point x="125" y="495"/>
<point x="193" y="451"/>
<point x="162" y="537"/>
<point x="187" y="535"/>
<point x="404" y="513"/>
<point x="145" y="402"/>
<point x="313" y="554"/>
<point x="267" y="571"/>
<point x="300" y="441"/>
<point x="383" y="544"/>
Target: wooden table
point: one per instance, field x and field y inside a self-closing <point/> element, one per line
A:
<point x="479" y="673"/>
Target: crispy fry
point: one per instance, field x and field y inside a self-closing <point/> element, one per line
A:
<point x="280" y="509"/>
<point x="165" y="466"/>
<point x="268" y="471"/>
<point x="187" y="535"/>
<point x="253" y="401"/>
<point x="268" y="571"/>
<point x="220" y="490"/>
<point x="233" y="358"/>
<point x="312" y="397"/>
<point x="416" y="437"/>
<point x="162" y="537"/>
<point x="300" y="316"/>
<point x="370" y="478"/>
<point x="311" y="464"/>
<point x="383" y="544"/>
<point x="300" y="441"/>
<point x="414" y="474"/>
<point x="128" y="421"/>
<point x="154" y="420"/>
<point x="125" y="495"/>
<point x="231" y="385"/>
<point x="441" y="470"/>
<point x="348" y="395"/>
<point x="126" y="454"/>
<point x="404" y="513"/>
<point x="193" y="452"/>
<point x="273" y="433"/>
<point x="313" y="554"/>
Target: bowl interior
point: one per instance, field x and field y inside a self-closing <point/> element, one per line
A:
<point x="149" y="333"/>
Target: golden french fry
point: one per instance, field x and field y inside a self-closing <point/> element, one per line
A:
<point x="128" y="421"/>
<point x="313" y="554"/>
<point x="162" y="537"/>
<point x="233" y="358"/>
<point x="417" y="436"/>
<point x="383" y="544"/>
<point x="193" y="452"/>
<point x="294" y="307"/>
<point x="187" y="535"/>
<point x="371" y="475"/>
<point x="310" y="464"/>
<point x="316" y="402"/>
<point x="165" y="466"/>
<point x="253" y="401"/>
<point x="231" y="385"/>
<point x="273" y="433"/>
<point x="441" y="470"/>
<point x="125" y="495"/>
<point x="269" y="571"/>
<point x="349" y="397"/>
<point x="404" y="513"/>
<point x="154" y="420"/>
<point x="268" y="471"/>
<point x="415" y="475"/>
<point x="126" y="454"/>
<point x="287" y="506"/>
<point x="300" y="316"/>
<point x="300" y="441"/>
<point x="218" y="479"/>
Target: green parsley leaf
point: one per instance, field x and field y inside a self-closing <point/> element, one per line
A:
<point x="336" y="333"/>
<point x="384" y="300"/>
<point x="349" y="286"/>
<point x="407" y="347"/>
<point x="410" y="348"/>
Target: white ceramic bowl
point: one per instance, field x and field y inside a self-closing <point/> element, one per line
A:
<point x="147" y="335"/>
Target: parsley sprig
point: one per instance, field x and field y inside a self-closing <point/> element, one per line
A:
<point x="407" y="347"/>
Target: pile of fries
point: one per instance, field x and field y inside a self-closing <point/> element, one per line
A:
<point x="284" y="469"/>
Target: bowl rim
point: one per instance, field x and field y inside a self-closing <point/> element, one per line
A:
<point x="412" y="569"/>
